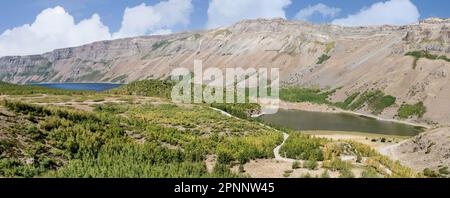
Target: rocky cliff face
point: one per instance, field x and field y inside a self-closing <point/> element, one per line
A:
<point x="356" y="59"/>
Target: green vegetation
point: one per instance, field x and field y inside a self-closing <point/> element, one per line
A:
<point x="150" y="137"/>
<point x="83" y="143"/>
<point x="163" y="89"/>
<point x="375" y="100"/>
<point x="298" y="94"/>
<point x="374" y="160"/>
<point x="322" y="59"/>
<point x="430" y="173"/>
<point x="444" y="171"/>
<point x="347" y="101"/>
<point x="369" y="173"/>
<point x="329" y="46"/>
<point x="244" y="110"/>
<point x="425" y="54"/>
<point x="303" y="147"/>
<point x="311" y="164"/>
<point x="336" y="164"/>
<point x="161" y="44"/>
<point x="296" y="165"/>
<point x="407" y="110"/>
<point x="152" y="88"/>
<point x="12" y="89"/>
<point x="325" y="174"/>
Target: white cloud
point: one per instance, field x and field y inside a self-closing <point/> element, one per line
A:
<point x="392" y="12"/>
<point x="144" y="20"/>
<point x="324" y="10"/>
<point x="55" y="28"/>
<point x="226" y="12"/>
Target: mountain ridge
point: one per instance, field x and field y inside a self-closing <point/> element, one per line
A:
<point x="354" y="59"/>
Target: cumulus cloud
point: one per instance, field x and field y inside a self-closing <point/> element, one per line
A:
<point x="225" y="12"/>
<point x="320" y="8"/>
<point x="392" y="12"/>
<point x="157" y="19"/>
<point x="55" y="28"/>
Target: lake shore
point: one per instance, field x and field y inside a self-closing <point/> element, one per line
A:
<point x="322" y="108"/>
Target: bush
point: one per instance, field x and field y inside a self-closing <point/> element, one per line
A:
<point x="241" y="168"/>
<point x="348" y="101"/>
<point x="6" y="145"/>
<point x="325" y="174"/>
<point x="303" y="147"/>
<point x="369" y="173"/>
<point x="311" y="164"/>
<point x="430" y="173"/>
<point x="296" y="165"/>
<point x="444" y="171"/>
<point x="322" y="59"/>
<point x="407" y="111"/>
<point x="346" y="173"/>
<point x="336" y="164"/>
<point x="306" y="176"/>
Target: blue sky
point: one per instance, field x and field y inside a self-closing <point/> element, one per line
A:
<point x="18" y="12"/>
<point x="112" y="21"/>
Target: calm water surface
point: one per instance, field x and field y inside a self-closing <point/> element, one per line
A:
<point x="304" y="120"/>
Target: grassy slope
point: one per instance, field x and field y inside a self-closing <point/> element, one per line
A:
<point x="163" y="89"/>
<point x="137" y="140"/>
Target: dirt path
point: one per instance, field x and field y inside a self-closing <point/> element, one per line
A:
<point x="276" y="151"/>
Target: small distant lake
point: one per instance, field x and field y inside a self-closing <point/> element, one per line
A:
<point x="305" y="120"/>
<point x="81" y="86"/>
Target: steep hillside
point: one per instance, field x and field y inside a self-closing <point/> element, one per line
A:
<point x="430" y="150"/>
<point x="356" y="59"/>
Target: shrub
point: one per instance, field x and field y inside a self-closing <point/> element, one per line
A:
<point x="325" y="174"/>
<point x="444" y="171"/>
<point x="241" y="168"/>
<point x="311" y="164"/>
<point x="323" y="58"/>
<point x="348" y="101"/>
<point x="303" y="147"/>
<point x="407" y="111"/>
<point x="430" y="173"/>
<point x="306" y="175"/>
<point x="296" y="165"/>
<point x="369" y="173"/>
<point x="336" y="165"/>
<point x="346" y="173"/>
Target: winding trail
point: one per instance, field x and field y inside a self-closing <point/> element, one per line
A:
<point x="276" y="150"/>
